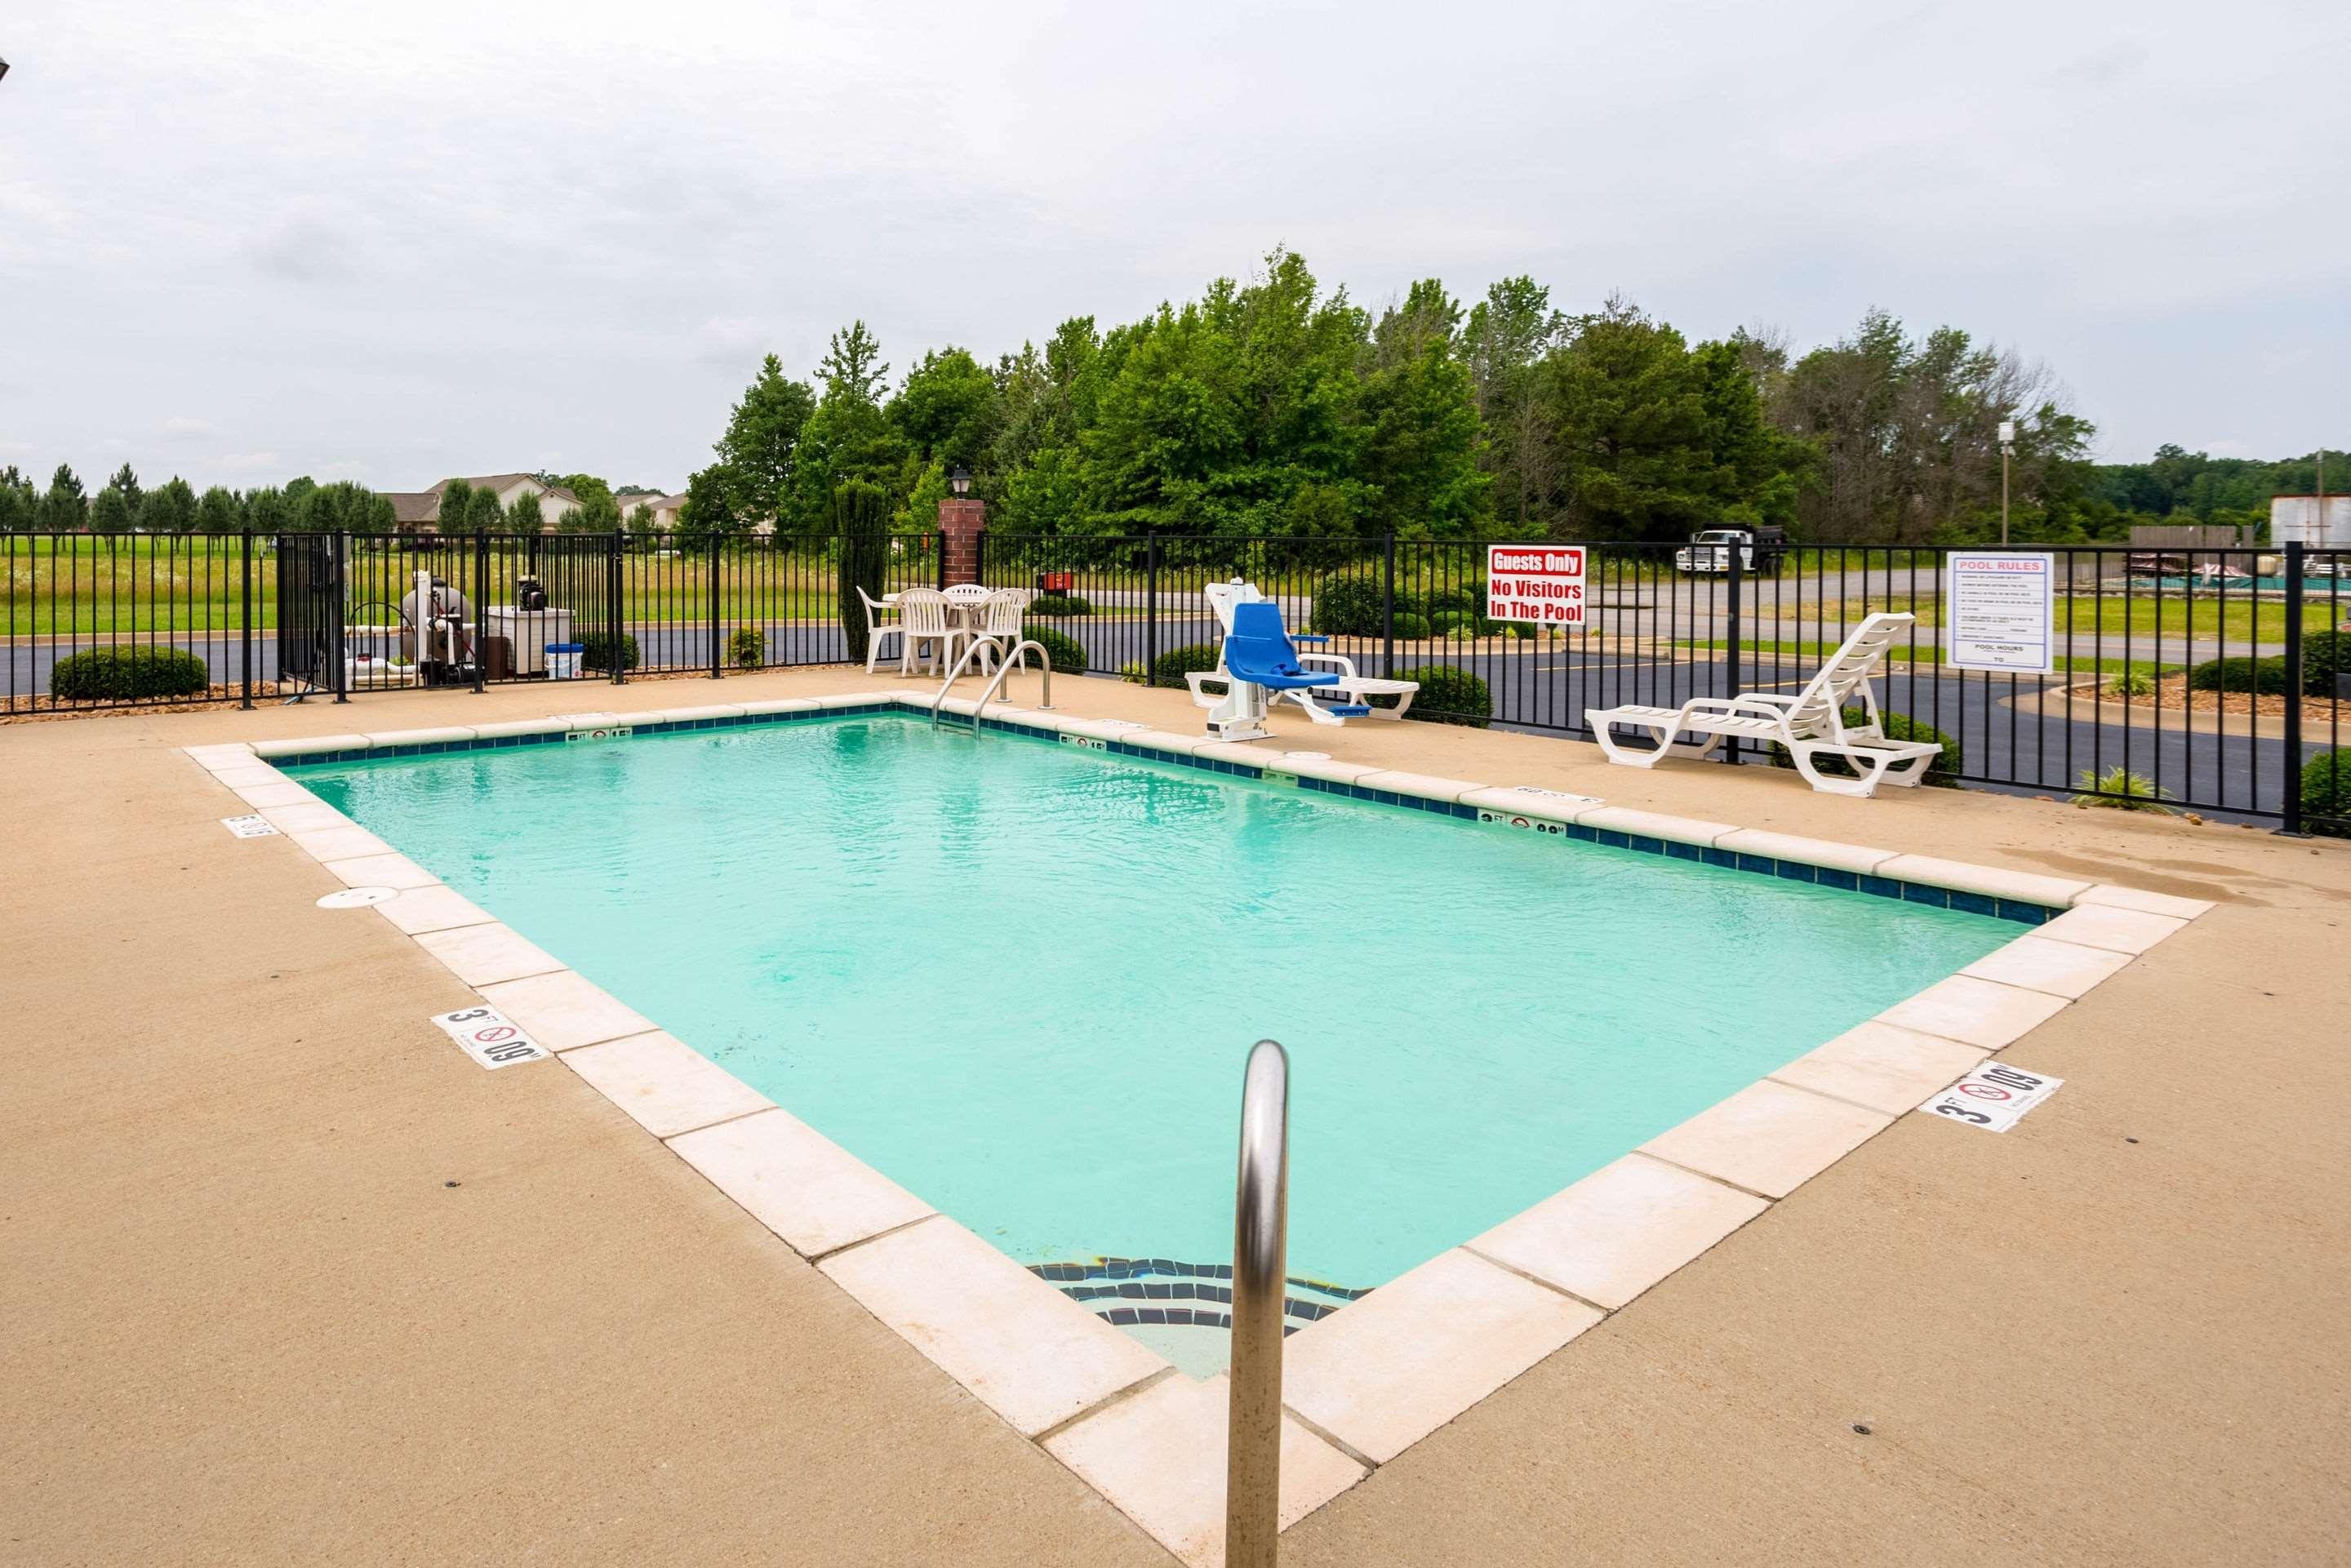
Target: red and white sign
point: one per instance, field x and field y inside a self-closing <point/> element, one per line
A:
<point x="1539" y="583"/>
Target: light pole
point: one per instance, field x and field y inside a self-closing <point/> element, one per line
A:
<point x="2007" y="451"/>
<point x="961" y="480"/>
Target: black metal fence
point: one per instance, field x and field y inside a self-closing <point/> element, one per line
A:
<point x="2170" y="680"/>
<point x="2210" y="680"/>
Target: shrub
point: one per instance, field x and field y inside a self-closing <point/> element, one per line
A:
<point x="1449" y="694"/>
<point x="1059" y="604"/>
<point x="2131" y="683"/>
<point x="2121" y="789"/>
<point x="1463" y="623"/>
<point x="1943" y="772"/>
<point x="2237" y="674"/>
<point x="596" y="651"/>
<point x="124" y="675"/>
<point x="1132" y="673"/>
<point x="2326" y="792"/>
<point x="1170" y="668"/>
<point x="2325" y="656"/>
<point x="1351" y="607"/>
<point x="1409" y="626"/>
<point x="748" y="648"/>
<point x="1437" y="603"/>
<point x="1068" y="658"/>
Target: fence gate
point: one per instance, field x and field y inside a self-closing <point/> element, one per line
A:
<point x="310" y="614"/>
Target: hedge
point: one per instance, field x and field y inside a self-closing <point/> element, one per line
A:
<point x="2325" y="656"/>
<point x="1351" y="607"/>
<point x="1449" y="694"/>
<point x="1170" y="668"/>
<point x="1059" y="604"/>
<point x="596" y="651"/>
<point x="1943" y="772"/>
<point x="748" y="648"/>
<point x="126" y="675"/>
<point x="1409" y="625"/>
<point x="2237" y="674"/>
<point x="2326" y="792"/>
<point x="1067" y="657"/>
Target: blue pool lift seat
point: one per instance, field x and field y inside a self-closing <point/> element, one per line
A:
<point x="1260" y="662"/>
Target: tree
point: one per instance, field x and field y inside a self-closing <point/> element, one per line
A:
<point x="641" y="518"/>
<point x="584" y="487"/>
<point x="20" y="502"/>
<point x="847" y="439"/>
<point x="218" y="511"/>
<point x="526" y="516"/>
<point x="126" y="481"/>
<point x="948" y="410"/>
<point x="342" y="507"/>
<point x="763" y="437"/>
<point x="598" y="514"/>
<point x="109" y="512"/>
<point x="169" y="509"/>
<point x="709" y="511"/>
<point x="63" y="510"/>
<point x="268" y="512"/>
<point x="1509" y="335"/>
<point x="1420" y="441"/>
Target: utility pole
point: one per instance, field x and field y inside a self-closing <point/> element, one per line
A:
<point x="2007" y="451"/>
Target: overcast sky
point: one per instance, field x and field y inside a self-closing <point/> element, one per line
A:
<point x="393" y="243"/>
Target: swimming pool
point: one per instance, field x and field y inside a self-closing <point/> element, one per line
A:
<point x="1019" y="978"/>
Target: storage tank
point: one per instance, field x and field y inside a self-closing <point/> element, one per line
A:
<point x="2296" y="520"/>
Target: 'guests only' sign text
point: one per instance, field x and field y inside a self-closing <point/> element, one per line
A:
<point x="1539" y="583"/>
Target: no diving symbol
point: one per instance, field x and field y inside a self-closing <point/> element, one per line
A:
<point x="1985" y="1091"/>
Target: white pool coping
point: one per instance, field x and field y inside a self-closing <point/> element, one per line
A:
<point x="1365" y="1384"/>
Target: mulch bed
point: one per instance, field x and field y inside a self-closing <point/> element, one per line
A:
<point x="2172" y="695"/>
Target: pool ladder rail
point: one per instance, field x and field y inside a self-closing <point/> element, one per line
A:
<point x="1260" y="1260"/>
<point x="1012" y="660"/>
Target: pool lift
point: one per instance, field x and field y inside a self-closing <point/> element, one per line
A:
<point x="1260" y="666"/>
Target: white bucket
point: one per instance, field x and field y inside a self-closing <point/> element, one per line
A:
<point x="563" y="661"/>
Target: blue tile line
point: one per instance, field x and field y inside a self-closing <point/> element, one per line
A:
<point x="2016" y="910"/>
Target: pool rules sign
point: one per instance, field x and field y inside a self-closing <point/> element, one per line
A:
<point x="2002" y="608"/>
<point x="1543" y="584"/>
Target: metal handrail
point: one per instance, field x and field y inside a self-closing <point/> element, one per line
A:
<point x="1045" y="666"/>
<point x="1261" y="1245"/>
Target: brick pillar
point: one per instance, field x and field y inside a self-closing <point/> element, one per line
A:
<point x="960" y="521"/>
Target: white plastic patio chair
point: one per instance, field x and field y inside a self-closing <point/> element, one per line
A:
<point x="928" y="628"/>
<point x="993" y="624"/>
<point x="880" y="621"/>
<point x="1811" y="723"/>
<point x="1351" y="690"/>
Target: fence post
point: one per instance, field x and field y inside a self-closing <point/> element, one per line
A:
<point x="482" y="614"/>
<point x="942" y="583"/>
<point x="1387" y="610"/>
<point x="2292" y="780"/>
<point x="715" y="546"/>
<point x="1733" y="674"/>
<point x="338" y="647"/>
<point x="1150" y="605"/>
<point x="247" y="656"/>
<point x="612" y="605"/>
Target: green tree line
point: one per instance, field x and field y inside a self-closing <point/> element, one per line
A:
<point x="1277" y="408"/>
<point x="125" y="506"/>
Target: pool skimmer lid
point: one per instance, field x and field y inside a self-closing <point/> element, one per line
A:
<point x="358" y="897"/>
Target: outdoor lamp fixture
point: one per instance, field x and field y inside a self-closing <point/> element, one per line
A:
<point x="961" y="480"/>
<point x="2007" y="451"/>
<point x="4" y="68"/>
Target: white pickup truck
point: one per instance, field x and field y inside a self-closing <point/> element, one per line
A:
<point x="1709" y="551"/>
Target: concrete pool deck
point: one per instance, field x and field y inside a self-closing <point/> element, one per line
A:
<point x="254" y="1323"/>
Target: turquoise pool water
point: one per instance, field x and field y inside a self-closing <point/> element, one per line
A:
<point x="1019" y="978"/>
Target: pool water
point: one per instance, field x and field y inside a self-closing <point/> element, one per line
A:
<point x="1019" y="978"/>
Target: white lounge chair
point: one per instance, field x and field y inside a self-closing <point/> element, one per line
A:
<point x="1351" y="692"/>
<point x="1811" y="723"/>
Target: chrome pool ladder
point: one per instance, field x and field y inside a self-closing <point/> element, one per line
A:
<point x="1011" y="659"/>
<point x="1260" y="1248"/>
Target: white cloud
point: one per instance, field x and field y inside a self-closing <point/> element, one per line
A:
<point x="181" y="426"/>
<point x="494" y="231"/>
